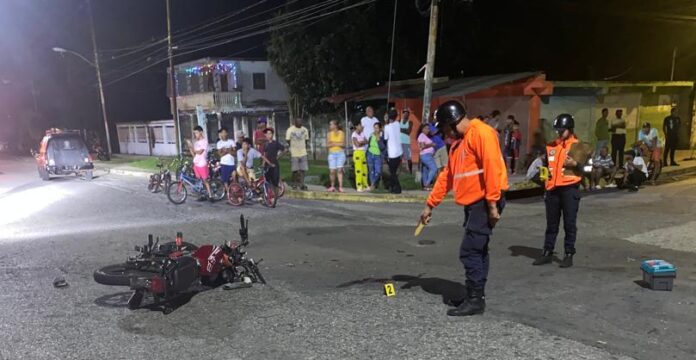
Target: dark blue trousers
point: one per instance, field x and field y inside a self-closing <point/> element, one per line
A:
<point x="473" y="253"/>
<point x="563" y="200"/>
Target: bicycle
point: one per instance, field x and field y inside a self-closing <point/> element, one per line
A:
<point x="177" y="191"/>
<point x="260" y="189"/>
<point x="161" y="179"/>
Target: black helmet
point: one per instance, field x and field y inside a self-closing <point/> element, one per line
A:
<point x="392" y="114"/>
<point x="449" y="113"/>
<point x="564" y="121"/>
<point x="646" y="125"/>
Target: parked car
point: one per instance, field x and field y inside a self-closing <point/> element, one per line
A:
<point x="63" y="152"/>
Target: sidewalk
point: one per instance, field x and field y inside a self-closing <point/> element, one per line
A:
<point x="316" y="192"/>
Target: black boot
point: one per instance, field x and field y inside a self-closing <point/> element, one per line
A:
<point x="545" y="258"/>
<point x="567" y="261"/>
<point x="473" y="305"/>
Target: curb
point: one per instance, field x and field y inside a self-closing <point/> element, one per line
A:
<point x="140" y="174"/>
<point x="347" y="197"/>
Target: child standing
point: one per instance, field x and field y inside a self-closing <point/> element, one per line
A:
<point x="359" y="158"/>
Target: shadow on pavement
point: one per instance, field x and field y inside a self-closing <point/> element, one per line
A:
<point x="120" y="300"/>
<point x="449" y="290"/>
<point x="643" y="284"/>
<point x="526" y="251"/>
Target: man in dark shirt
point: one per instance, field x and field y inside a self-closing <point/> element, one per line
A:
<point x="272" y="150"/>
<point x="671" y="129"/>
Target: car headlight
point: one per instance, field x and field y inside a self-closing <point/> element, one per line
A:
<point x="51" y="162"/>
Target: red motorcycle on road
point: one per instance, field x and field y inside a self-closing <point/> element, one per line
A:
<point x="168" y="270"/>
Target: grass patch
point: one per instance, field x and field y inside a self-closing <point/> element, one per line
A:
<point x="318" y="174"/>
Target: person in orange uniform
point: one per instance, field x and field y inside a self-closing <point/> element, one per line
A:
<point x="562" y="194"/>
<point x="476" y="172"/>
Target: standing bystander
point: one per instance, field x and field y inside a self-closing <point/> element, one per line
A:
<point x="602" y="130"/>
<point x="335" y="143"/>
<point x="394" y="150"/>
<point x="405" y="126"/>
<point x="297" y="137"/>
<point x="359" y="148"/>
<point x="617" y="128"/>
<point x="671" y="128"/>
<point x="226" y="150"/>
<point x="368" y="121"/>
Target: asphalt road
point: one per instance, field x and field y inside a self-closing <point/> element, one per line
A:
<point x="326" y="263"/>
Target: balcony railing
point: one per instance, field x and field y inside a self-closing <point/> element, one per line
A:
<point x="216" y="101"/>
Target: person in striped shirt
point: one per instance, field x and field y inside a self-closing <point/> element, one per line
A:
<point x="602" y="167"/>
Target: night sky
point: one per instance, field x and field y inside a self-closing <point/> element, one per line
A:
<point x="570" y="40"/>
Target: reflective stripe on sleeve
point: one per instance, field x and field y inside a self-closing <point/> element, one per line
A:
<point x="468" y="173"/>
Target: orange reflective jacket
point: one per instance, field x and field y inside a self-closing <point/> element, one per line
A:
<point x="475" y="169"/>
<point x="557" y="153"/>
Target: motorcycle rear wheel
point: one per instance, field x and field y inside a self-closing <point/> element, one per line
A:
<point x="120" y="274"/>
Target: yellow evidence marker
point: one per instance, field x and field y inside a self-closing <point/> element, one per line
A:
<point x="389" y="289"/>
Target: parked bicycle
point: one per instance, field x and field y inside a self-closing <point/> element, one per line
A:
<point x="177" y="191"/>
<point x="258" y="190"/>
<point x="161" y="179"/>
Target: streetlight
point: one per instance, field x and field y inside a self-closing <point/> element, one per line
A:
<point x="94" y="64"/>
<point x="60" y="50"/>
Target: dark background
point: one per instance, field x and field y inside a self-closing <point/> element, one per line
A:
<point x="569" y="40"/>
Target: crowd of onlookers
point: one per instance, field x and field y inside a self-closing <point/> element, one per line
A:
<point x="628" y="168"/>
<point x="375" y="143"/>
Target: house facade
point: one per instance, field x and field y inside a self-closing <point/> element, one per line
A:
<point x="234" y="93"/>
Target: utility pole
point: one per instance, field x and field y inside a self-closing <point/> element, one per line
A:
<point x="99" y="79"/>
<point x="674" y="59"/>
<point x="172" y="80"/>
<point x="430" y="64"/>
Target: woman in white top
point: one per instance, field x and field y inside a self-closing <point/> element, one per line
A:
<point x="359" y="157"/>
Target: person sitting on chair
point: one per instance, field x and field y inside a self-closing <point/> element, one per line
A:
<point x="602" y="167"/>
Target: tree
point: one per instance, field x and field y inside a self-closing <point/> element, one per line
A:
<point x="341" y="53"/>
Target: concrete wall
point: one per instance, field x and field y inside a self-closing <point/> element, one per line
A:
<point x="154" y="138"/>
<point x="508" y="105"/>
<point x="275" y="87"/>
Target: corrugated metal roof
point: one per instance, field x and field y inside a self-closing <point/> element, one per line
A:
<point x="414" y="89"/>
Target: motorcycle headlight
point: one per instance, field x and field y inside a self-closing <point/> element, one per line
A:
<point x="86" y="159"/>
<point x="51" y="162"/>
<point x="587" y="168"/>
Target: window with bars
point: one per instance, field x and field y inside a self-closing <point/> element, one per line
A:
<point x="157" y="134"/>
<point x="141" y="134"/>
<point x="170" y="135"/>
<point x="123" y="134"/>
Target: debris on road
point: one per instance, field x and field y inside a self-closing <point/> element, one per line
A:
<point x="60" y="282"/>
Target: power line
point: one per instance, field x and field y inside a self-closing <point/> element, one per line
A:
<point x="227" y="41"/>
<point x="325" y="4"/>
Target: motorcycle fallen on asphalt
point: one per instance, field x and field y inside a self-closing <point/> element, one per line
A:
<point x="167" y="271"/>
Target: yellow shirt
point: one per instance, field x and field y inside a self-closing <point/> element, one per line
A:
<point x="336" y="137"/>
